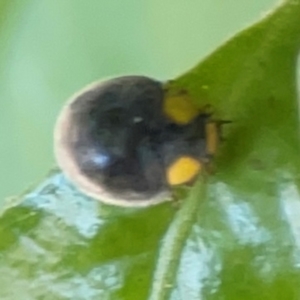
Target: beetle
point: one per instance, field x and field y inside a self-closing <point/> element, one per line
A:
<point x="126" y="141"/>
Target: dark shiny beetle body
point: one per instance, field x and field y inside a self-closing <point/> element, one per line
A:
<point x="116" y="143"/>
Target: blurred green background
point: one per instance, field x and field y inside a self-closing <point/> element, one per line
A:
<point x="51" y="48"/>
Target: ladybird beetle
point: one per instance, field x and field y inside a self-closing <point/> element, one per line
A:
<point x="126" y="142"/>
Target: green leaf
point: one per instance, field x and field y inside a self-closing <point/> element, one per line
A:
<point x="236" y="233"/>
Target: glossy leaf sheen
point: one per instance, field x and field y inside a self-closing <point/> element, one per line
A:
<point x="235" y="234"/>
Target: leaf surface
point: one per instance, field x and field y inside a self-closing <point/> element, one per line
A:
<point x="236" y="233"/>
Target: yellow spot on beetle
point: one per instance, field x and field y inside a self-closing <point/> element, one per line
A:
<point x="180" y="108"/>
<point x="183" y="170"/>
<point x="212" y="137"/>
